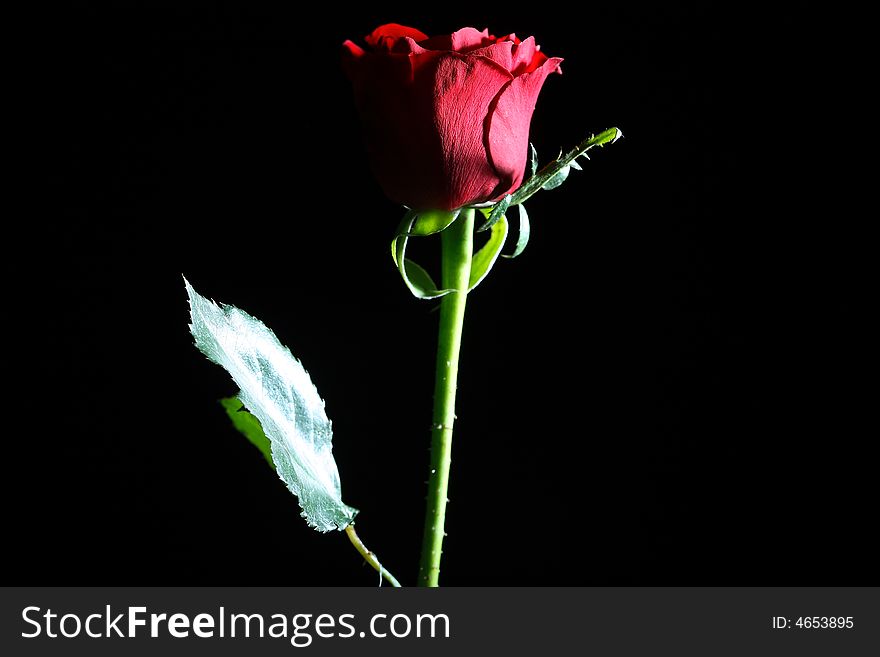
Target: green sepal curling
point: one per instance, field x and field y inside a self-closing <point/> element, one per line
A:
<point x="416" y="278"/>
<point x="485" y="258"/>
<point x="524" y="233"/>
<point x="414" y="275"/>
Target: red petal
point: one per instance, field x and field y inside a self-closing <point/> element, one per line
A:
<point x="468" y="38"/>
<point x="462" y="41"/>
<point x="500" y="53"/>
<point x="510" y="37"/>
<point x="385" y="36"/>
<point x="351" y="52"/>
<point x="464" y="91"/>
<point x="524" y="56"/>
<point x="508" y="128"/>
<point x="408" y="46"/>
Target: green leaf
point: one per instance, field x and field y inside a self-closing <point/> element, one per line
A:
<point x="496" y="212"/>
<point x="416" y="278"/>
<point x="524" y="232"/>
<point x="248" y="425"/>
<point x="275" y="387"/>
<point x="483" y="259"/>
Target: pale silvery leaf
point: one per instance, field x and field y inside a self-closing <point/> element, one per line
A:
<point x="276" y="389"/>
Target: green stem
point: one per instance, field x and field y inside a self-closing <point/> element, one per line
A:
<point x="457" y="244"/>
<point x="369" y="557"/>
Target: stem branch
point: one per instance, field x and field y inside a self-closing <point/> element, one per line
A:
<point x="369" y="557"/>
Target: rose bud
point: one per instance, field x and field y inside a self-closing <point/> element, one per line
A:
<point x="446" y="118"/>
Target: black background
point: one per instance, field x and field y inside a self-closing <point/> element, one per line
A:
<point x="660" y="391"/>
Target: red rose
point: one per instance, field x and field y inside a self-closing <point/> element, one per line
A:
<point x="446" y="117"/>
